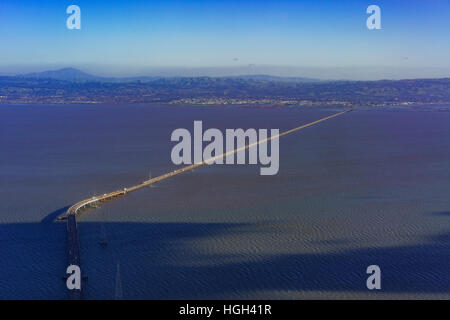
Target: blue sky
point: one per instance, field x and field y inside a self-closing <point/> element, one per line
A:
<point x="143" y="34"/>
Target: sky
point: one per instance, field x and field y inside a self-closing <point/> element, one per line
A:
<point x="314" y="38"/>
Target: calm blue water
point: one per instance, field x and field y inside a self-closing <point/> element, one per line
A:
<point x="370" y="187"/>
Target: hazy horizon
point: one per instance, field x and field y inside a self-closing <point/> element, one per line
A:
<point x="315" y="39"/>
<point x="319" y="73"/>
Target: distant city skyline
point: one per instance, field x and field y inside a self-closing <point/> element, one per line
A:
<point x="318" y="39"/>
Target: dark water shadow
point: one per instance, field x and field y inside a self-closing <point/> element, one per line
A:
<point x="156" y="264"/>
<point x="163" y="261"/>
<point x="442" y="213"/>
<point x="32" y="260"/>
<point x="51" y="217"/>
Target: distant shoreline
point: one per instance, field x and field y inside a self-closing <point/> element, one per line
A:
<point x="445" y="107"/>
<point x="226" y="91"/>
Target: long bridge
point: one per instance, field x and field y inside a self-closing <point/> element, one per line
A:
<point x="73" y="245"/>
<point x="94" y="201"/>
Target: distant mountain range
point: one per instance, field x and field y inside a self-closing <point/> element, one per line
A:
<point x="72" y="74"/>
<point x="265" y="77"/>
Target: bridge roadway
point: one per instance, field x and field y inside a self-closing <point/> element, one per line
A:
<point x="73" y="248"/>
<point x="84" y="204"/>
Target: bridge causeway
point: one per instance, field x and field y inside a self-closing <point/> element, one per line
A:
<point x="73" y="247"/>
